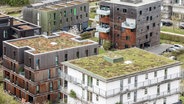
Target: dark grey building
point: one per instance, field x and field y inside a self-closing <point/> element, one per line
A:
<point x="129" y="23"/>
<point x="58" y="15"/>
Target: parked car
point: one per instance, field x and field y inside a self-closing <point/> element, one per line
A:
<point x="171" y="49"/>
<point x="166" y="23"/>
<point x="181" y="26"/>
<point x="177" y="46"/>
<point x="88" y="29"/>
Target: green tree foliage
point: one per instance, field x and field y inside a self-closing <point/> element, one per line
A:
<point x="14" y="2"/>
<point x="107" y="45"/>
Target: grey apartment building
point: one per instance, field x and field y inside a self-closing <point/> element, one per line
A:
<point x="31" y="65"/>
<point x="58" y="15"/>
<point x="173" y="8"/>
<point x="129" y="23"/>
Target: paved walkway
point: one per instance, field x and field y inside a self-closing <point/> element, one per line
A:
<point x="172" y="33"/>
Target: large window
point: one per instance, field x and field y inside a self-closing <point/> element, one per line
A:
<point x="37" y="89"/>
<point x="5" y="34"/>
<point x="90" y="81"/>
<point x="56" y="60"/>
<point x="89" y="96"/>
<point x="37" y="64"/>
<point x="75" y="11"/>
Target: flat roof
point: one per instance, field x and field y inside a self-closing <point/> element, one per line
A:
<point x="2" y="15"/>
<point x="55" y="6"/>
<point x="43" y="44"/>
<point x="144" y="2"/>
<point x="134" y="60"/>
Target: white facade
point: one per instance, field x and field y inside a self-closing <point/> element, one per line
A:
<point x="153" y="87"/>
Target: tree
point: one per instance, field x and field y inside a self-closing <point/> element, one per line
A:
<point x="107" y="45"/>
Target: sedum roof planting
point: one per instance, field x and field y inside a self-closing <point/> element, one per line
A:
<point x="42" y="44"/>
<point x="134" y="60"/>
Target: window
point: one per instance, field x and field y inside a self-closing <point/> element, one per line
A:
<point x="59" y="84"/>
<point x="54" y="22"/>
<point x="128" y="95"/>
<point x="49" y="76"/>
<point x="54" y="16"/>
<point x="118" y="9"/>
<point x="83" y="78"/>
<point x="97" y="82"/>
<point x="129" y="80"/>
<point x="154" y="7"/>
<point x="71" y="11"/>
<point x="165" y="73"/>
<point x="66" y="57"/>
<point x="80" y="8"/>
<point x="146" y="36"/>
<point x="146" y="76"/>
<point x="37" y="64"/>
<point x="127" y="37"/>
<point x="84" y="8"/>
<point x="124" y="10"/>
<point x="126" y="46"/>
<point x="5" y="34"/>
<point x="37" y="89"/>
<point x="153" y="24"/>
<point x="77" y="54"/>
<point x="158" y="90"/>
<point x="150" y="8"/>
<point x="164" y="101"/>
<point x="51" y="88"/>
<point x="150" y="17"/>
<point x="147" y="27"/>
<point x="77" y="17"/>
<point x="81" y="16"/>
<point x="4" y="50"/>
<point x="147" y="18"/>
<point x="57" y="60"/>
<point x="89" y="96"/>
<point x="64" y="13"/>
<point x="168" y="87"/>
<point x="86" y="14"/>
<point x="75" y="11"/>
<point x="95" y="50"/>
<point x="87" y="53"/>
<point x="140" y="12"/>
<point x="97" y="97"/>
<point x="151" y="34"/>
<point x="155" y="74"/>
<point x="90" y="81"/>
<point x="145" y="91"/>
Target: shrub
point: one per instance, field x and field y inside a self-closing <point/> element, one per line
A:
<point x="73" y="94"/>
<point x="86" y="35"/>
<point x="107" y="45"/>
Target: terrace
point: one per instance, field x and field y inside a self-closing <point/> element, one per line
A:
<point x="43" y="44"/>
<point x="132" y="60"/>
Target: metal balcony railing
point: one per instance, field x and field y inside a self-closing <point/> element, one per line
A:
<point x="124" y="89"/>
<point x="153" y="97"/>
<point x="129" y="24"/>
<point x="103" y="11"/>
<point x="103" y="29"/>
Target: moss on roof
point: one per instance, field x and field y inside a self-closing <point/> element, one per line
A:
<point x="42" y="44"/>
<point x="141" y="60"/>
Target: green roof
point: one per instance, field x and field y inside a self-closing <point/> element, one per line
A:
<point x="134" y="60"/>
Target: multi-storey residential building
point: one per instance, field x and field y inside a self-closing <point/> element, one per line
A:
<point x="128" y="23"/>
<point x="130" y="76"/>
<point x="32" y="66"/>
<point x="11" y="28"/>
<point x="58" y="15"/>
<point x="173" y="9"/>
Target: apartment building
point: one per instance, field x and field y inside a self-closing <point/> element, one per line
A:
<point x="31" y="65"/>
<point x="130" y="76"/>
<point x="58" y="15"/>
<point x="12" y="28"/>
<point x="129" y="23"/>
<point x="173" y="9"/>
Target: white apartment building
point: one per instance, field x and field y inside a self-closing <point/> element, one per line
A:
<point x="130" y="76"/>
<point x="172" y="8"/>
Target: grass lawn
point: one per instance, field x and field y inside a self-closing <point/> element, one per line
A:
<point x="170" y="29"/>
<point x="92" y="4"/>
<point x="15" y="14"/>
<point x="101" y="51"/>
<point x="7" y="9"/>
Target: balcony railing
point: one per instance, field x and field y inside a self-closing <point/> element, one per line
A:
<point x="153" y="97"/>
<point x="103" y="11"/>
<point x="124" y="89"/>
<point x="103" y="29"/>
<point x="97" y="18"/>
<point x="129" y="24"/>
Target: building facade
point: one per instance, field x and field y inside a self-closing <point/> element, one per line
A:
<point x="172" y="9"/>
<point x="129" y="23"/>
<point x="31" y="65"/>
<point x="58" y="15"/>
<point x="118" y="78"/>
<point x="12" y="28"/>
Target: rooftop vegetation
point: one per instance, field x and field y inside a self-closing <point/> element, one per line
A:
<point x="141" y="60"/>
<point x="41" y="44"/>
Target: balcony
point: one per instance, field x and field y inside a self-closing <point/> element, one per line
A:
<point x="129" y="23"/>
<point x="97" y="18"/>
<point x="124" y="89"/>
<point x="103" y="11"/>
<point x="104" y="29"/>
